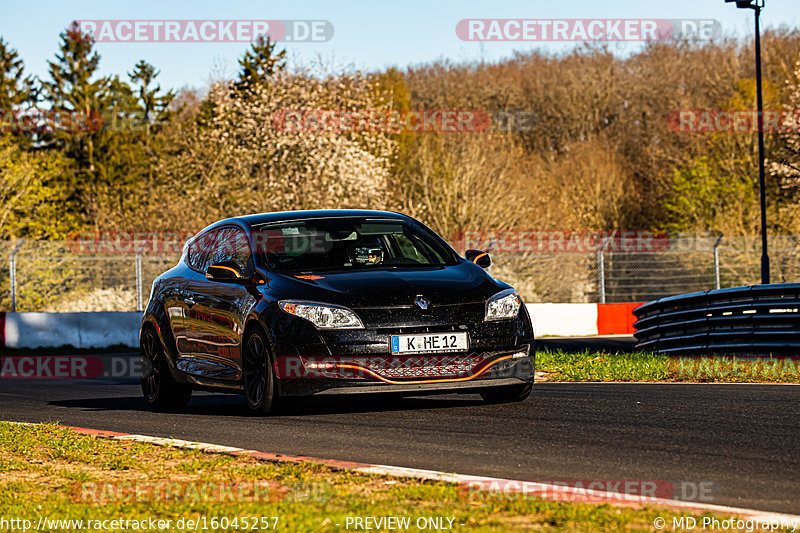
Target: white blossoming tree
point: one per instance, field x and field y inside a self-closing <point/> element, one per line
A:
<point x="239" y="156"/>
<point x="787" y="166"/>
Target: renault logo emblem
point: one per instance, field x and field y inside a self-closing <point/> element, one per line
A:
<point x="421" y="302"/>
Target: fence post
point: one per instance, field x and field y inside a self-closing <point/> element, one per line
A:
<point x="601" y="269"/>
<point x="139" y="279"/>
<point x="716" y="261"/>
<point x="12" y="268"/>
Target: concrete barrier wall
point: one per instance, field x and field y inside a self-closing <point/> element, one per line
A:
<point x="105" y="329"/>
<point x="81" y="330"/>
<point x="563" y="320"/>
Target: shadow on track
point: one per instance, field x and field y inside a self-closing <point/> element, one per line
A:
<point x="234" y="405"/>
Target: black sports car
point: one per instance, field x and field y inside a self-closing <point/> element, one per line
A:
<point x="320" y="302"/>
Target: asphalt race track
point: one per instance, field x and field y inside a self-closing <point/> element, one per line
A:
<point x="744" y="440"/>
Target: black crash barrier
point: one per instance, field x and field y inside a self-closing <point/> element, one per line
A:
<point x="756" y="319"/>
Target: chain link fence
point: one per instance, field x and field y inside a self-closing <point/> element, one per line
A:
<point x="57" y="277"/>
<point x="681" y="265"/>
<point x="54" y="276"/>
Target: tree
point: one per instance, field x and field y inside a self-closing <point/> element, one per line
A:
<point x="154" y="111"/>
<point x="260" y="63"/>
<point x="154" y="105"/>
<point x="34" y="202"/>
<point x="709" y="199"/>
<point x="15" y="87"/>
<point x="71" y="88"/>
<point x="104" y="165"/>
<point x="16" y="93"/>
<point x="787" y="164"/>
<point x="120" y="155"/>
<point x="457" y="183"/>
<point x="238" y="159"/>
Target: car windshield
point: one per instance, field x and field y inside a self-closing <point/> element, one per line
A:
<point x="348" y="244"/>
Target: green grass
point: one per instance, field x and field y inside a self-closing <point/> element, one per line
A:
<point x="602" y="366"/>
<point x="642" y="366"/>
<point x="43" y="470"/>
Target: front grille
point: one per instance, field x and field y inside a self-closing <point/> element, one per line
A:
<point x="399" y="367"/>
<point x="426" y="367"/>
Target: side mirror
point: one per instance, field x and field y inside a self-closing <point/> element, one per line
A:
<point x="225" y="271"/>
<point x="479" y="257"/>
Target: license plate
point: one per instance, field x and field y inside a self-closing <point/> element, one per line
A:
<point x="430" y="343"/>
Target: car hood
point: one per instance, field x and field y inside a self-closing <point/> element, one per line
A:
<point x="460" y="283"/>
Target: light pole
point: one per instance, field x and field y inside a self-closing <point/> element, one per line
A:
<point x="757" y="6"/>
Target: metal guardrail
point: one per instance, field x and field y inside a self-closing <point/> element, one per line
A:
<point x="756" y="319"/>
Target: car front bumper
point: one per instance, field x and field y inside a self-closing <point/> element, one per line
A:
<point x="309" y="361"/>
<point x="418" y="374"/>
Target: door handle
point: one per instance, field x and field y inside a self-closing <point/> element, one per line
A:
<point x="190" y="302"/>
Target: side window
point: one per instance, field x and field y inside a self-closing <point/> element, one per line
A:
<point x="241" y="249"/>
<point x="198" y="252"/>
<point x="217" y="253"/>
<point x="230" y="245"/>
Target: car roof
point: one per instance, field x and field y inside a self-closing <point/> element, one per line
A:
<point x="257" y="219"/>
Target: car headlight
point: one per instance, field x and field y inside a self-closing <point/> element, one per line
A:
<point x="503" y="305"/>
<point x="323" y="316"/>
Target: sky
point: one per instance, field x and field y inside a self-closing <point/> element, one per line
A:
<point x="368" y="35"/>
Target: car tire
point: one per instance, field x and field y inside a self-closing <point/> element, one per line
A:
<point x="509" y="394"/>
<point x="258" y="379"/>
<point x="160" y="390"/>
